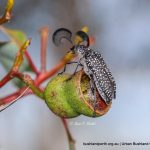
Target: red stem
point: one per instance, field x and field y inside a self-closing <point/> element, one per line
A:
<point x="70" y="139"/>
<point x="67" y="130"/>
<point x="44" y="38"/>
<point x="6" y="79"/>
<point x="46" y="75"/>
<point x="32" y="65"/>
<point x="13" y="96"/>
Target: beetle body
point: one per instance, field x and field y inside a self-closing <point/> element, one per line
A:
<point x="93" y="64"/>
<point x="97" y="70"/>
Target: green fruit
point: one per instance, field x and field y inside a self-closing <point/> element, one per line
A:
<point x="55" y="97"/>
<point x="71" y="98"/>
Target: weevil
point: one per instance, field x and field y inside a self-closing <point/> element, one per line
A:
<point x="93" y="64"/>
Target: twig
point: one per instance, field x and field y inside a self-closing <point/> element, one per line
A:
<point x="17" y="63"/>
<point x="15" y="100"/>
<point x="44" y="31"/>
<point x="7" y="14"/>
<point x="31" y="64"/>
<point x="31" y="83"/>
<point x="44" y="76"/>
<point x="70" y="139"/>
<point x="13" y="96"/>
<point x="6" y="79"/>
<point x="10" y="34"/>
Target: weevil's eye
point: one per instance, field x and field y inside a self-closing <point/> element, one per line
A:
<point x="80" y="48"/>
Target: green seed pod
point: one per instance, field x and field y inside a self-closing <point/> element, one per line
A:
<point x="72" y="98"/>
<point x="55" y="97"/>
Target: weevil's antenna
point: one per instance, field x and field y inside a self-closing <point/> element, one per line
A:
<point x="84" y="37"/>
<point x="15" y="100"/>
<point x="60" y="34"/>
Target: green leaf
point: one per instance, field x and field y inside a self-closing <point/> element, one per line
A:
<point x="16" y="36"/>
<point x="8" y="51"/>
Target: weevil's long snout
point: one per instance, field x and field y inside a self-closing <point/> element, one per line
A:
<point x="60" y="34"/>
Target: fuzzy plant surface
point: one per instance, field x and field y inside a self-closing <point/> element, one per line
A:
<point x="73" y="97"/>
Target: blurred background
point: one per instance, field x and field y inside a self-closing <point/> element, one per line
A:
<point x="122" y="32"/>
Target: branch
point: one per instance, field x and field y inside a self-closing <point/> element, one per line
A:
<point x="6" y="79"/>
<point x="70" y="139"/>
<point x="44" y="31"/>
<point x="13" y="96"/>
<point x="8" y="12"/>
<point x="19" y="57"/>
<point x="2" y="108"/>
<point x="44" y="76"/>
<point x="31" y="64"/>
<point x="15" y="35"/>
<point x="29" y="82"/>
<point x="17" y="63"/>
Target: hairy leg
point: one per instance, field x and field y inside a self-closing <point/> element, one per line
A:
<point x="66" y="67"/>
<point x="93" y="89"/>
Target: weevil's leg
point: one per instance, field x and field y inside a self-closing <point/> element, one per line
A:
<point x="66" y="67"/>
<point x="93" y="89"/>
<point x="60" y="73"/>
<point x="76" y="67"/>
<point x="73" y="62"/>
<point x="78" y="64"/>
<point x="95" y="106"/>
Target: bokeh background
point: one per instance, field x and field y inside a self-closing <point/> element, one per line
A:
<point x="122" y="32"/>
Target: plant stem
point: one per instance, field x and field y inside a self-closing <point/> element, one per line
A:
<point x="6" y="79"/>
<point x="8" y="11"/>
<point x="70" y="139"/>
<point x="31" y="64"/>
<point x="17" y="63"/>
<point x="29" y="82"/>
<point x="44" y="31"/>
<point x="46" y="75"/>
<point x="13" y="96"/>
